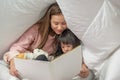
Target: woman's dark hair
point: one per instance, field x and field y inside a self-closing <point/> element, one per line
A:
<point x="67" y="37"/>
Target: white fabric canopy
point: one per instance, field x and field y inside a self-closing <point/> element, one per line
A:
<point x="79" y="14"/>
<point x="95" y="22"/>
<point x="102" y="38"/>
<point x="16" y="16"/>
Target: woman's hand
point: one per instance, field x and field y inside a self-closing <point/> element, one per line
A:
<point x="84" y="72"/>
<point x="13" y="70"/>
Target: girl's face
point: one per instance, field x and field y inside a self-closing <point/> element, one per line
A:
<point x="58" y="23"/>
<point x="66" y="47"/>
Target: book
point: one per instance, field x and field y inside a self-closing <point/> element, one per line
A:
<point x="64" y="67"/>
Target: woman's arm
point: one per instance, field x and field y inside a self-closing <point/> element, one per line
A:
<point x="13" y="70"/>
<point x="23" y="44"/>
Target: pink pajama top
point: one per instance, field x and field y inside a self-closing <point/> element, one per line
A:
<point x="29" y="41"/>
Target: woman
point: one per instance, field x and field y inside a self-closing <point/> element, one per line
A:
<point x="41" y="35"/>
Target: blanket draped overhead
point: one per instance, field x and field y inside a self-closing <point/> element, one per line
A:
<point x="18" y="15"/>
<point x="95" y="22"/>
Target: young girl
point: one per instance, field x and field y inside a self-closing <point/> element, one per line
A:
<point x="41" y="35"/>
<point x="67" y="42"/>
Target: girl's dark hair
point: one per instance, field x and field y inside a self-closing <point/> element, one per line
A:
<point x="67" y="37"/>
<point x="45" y="25"/>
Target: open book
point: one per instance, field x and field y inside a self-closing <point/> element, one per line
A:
<point x="64" y="67"/>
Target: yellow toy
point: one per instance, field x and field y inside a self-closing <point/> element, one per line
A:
<point x="21" y="56"/>
<point x="33" y="55"/>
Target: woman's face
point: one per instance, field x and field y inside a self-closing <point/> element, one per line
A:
<point x="58" y="23"/>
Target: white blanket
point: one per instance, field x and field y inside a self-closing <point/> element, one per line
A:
<point x="100" y="34"/>
<point x="102" y="41"/>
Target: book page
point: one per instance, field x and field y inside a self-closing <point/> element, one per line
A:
<point x="33" y="69"/>
<point x="68" y="65"/>
<point x="64" y="67"/>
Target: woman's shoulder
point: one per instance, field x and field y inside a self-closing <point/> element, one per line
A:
<point x="34" y="27"/>
<point x="33" y="30"/>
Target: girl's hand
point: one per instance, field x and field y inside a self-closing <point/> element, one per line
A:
<point x="84" y="72"/>
<point x="13" y="70"/>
